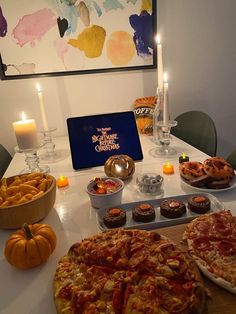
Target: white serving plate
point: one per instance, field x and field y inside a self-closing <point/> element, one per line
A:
<point x="160" y="221"/>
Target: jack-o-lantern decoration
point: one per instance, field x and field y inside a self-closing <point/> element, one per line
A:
<point x="119" y="166"/>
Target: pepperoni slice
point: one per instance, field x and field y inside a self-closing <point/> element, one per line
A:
<point x="226" y="248"/>
<point x="220" y="217"/>
<point x="203" y="226"/>
<point x="202" y="244"/>
<point x="221" y="229"/>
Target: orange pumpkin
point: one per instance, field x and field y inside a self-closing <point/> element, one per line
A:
<point x="30" y="246"/>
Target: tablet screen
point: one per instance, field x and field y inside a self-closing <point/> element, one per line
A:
<point x="93" y="139"/>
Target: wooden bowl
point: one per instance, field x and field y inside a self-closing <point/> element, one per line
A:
<point x="12" y="217"/>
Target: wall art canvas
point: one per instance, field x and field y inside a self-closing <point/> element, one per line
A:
<point x="63" y="37"/>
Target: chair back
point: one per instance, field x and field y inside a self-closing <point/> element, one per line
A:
<point x="197" y="129"/>
<point x="5" y="159"/>
<point x="232" y="159"/>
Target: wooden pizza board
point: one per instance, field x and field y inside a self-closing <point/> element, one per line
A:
<point x="220" y="301"/>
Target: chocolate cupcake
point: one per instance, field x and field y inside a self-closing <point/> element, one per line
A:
<point x="143" y="213"/>
<point x="114" y="217"/>
<point x="172" y="208"/>
<point x="199" y="204"/>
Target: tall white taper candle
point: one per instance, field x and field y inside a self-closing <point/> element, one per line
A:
<point x="159" y="63"/>
<point x="42" y="108"/>
<point x="166" y="104"/>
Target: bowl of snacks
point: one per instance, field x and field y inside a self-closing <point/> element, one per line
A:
<point x="26" y="198"/>
<point x="150" y="183"/>
<point x="105" y="191"/>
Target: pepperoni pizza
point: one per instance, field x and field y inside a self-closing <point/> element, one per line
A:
<point x="127" y="272"/>
<point x="212" y="242"/>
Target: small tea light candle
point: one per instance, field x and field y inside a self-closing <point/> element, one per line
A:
<point x="168" y="168"/>
<point x="183" y="158"/>
<point x="62" y="182"/>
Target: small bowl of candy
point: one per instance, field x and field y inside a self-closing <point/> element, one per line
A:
<point x="105" y="192"/>
<point x="150" y="183"/>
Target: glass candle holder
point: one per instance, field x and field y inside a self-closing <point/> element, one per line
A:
<point x="157" y="117"/>
<point x="165" y="149"/>
<point x="32" y="160"/>
<point x="49" y="155"/>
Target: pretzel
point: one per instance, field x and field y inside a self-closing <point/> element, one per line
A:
<point x="23" y="188"/>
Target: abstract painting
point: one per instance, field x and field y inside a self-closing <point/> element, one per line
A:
<point x="64" y="37"/>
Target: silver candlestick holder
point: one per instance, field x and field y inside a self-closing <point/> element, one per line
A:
<point x="32" y="160"/>
<point x="165" y="148"/>
<point x="49" y="155"/>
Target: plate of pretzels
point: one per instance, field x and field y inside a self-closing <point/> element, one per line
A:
<point x="212" y="175"/>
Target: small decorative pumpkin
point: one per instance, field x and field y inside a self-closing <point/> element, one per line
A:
<point x="30" y="246"/>
<point x="119" y="166"/>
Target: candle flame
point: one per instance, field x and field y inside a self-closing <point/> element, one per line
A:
<point x="118" y="168"/>
<point x="165" y="77"/>
<point x="23" y="116"/>
<point x="183" y="155"/>
<point x="158" y="39"/>
<point x="38" y="87"/>
<point x="168" y="164"/>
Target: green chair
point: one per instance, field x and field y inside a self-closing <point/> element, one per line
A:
<point x="197" y="129"/>
<point x="232" y="159"/>
<point x="5" y="159"/>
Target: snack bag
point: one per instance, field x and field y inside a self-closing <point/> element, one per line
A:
<point x="143" y="110"/>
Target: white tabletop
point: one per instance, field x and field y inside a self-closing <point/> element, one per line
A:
<point x="72" y="219"/>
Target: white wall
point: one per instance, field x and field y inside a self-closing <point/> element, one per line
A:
<point x="70" y="96"/>
<point x="199" y="54"/>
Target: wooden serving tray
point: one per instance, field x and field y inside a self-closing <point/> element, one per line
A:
<point x="220" y="301"/>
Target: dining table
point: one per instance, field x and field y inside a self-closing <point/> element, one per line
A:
<point x="73" y="219"/>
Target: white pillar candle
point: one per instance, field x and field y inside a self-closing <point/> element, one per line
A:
<point x="42" y="108"/>
<point x="26" y="133"/>
<point x="159" y="63"/>
<point x="166" y="105"/>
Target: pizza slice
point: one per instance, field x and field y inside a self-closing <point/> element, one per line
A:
<point x="155" y="254"/>
<point x="212" y="243"/>
<point x="158" y="294"/>
<point x="79" y="288"/>
<point x="109" y="248"/>
<point x="215" y="225"/>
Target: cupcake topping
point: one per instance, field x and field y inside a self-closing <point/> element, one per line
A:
<point x="174" y="204"/>
<point x="199" y="199"/>
<point x="115" y="211"/>
<point x="144" y="207"/>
